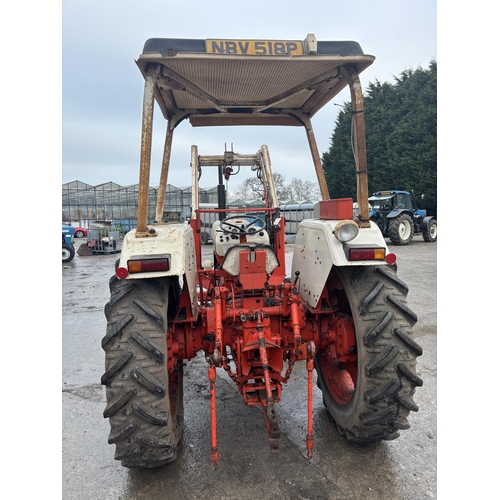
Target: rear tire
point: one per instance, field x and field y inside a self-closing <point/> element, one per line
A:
<point x="203" y="238"/>
<point x="145" y="402"/>
<point x="370" y="398"/>
<point x="430" y="234"/>
<point x="68" y="252"/>
<point x="401" y="230"/>
<point x="79" y="234"/>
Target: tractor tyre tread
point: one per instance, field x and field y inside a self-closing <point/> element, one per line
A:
<point x="143" y="429"/>
<point x="394" y="230"/>
<point x="386" y="374"/>
<point x="430" y="233"/>
<point x="70" y="249"/>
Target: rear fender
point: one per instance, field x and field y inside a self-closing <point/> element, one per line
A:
<point x="396" y="213"/>
<point x="317" y="250"/>
<point x="174" y="240"/>
<point x="425" y="223"/>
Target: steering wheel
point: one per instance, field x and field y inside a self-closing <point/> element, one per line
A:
<point x="243" y="230"/>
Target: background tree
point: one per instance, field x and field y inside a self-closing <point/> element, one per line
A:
<point x="296" y="191"/>
<point x="253" y="189"/>
<point x="304" y="191"/>
<point x="401" y="139"/>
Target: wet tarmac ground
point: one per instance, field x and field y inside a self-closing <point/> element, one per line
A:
<point x="405" y="468"/>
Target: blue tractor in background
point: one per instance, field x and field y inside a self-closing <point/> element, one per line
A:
<point x="399" y="218"/>
<point x="68" y="250"/>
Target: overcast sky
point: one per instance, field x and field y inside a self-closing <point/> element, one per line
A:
<point x="103" y="88"/>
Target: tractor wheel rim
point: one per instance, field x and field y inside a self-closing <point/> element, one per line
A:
<point x="404" y="229"/>
<point x="338" y="378"/>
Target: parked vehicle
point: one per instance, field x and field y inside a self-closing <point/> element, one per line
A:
<point x="399" y="218"/>
<point x="80" y="232"/>
<point x="68" y="250"/>
<point x="343" y="311"/>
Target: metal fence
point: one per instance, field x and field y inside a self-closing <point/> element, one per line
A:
<point x="294" y="214"/>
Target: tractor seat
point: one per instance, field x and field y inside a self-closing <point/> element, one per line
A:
<point x="232" y="258"/>
<point x="222" y="242"/>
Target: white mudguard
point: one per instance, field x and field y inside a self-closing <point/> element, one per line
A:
<point x="173" y="240"/>
<point x="317" y="250"/>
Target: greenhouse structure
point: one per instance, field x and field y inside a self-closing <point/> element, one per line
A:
<point x="83" y="204"/>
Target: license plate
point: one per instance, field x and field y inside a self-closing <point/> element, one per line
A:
<point x="256" y="47"/>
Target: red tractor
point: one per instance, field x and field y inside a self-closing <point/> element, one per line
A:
<point x="342" y="310"/>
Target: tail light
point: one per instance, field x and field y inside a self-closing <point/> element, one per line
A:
<point x="146" y="265"/>
<point x="365" y="253"/>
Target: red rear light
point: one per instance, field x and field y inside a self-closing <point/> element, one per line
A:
<point x="366" y="253"/>
<point x="391" y="258"/>
<point x="148" y="265"/>
<point x="122" y="273"/>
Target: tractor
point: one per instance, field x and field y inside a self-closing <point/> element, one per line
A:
<point x="68" y="249"/>
<point x="341" y="309"/>
<point x="399" y="218"/>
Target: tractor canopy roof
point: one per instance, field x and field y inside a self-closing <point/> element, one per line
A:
<point x="248" y="82"/>
<point x="384" y="195"/>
